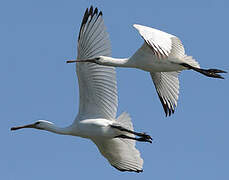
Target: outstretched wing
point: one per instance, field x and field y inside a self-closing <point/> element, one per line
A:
<point x="167" y="87"/>
<point x="162" y="44"/>
<point x="97" y="84"/>
<point x="121" y="154"/>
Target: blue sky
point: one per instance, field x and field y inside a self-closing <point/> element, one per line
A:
<point x="37" y="37"/>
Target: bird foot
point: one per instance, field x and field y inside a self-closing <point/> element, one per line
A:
<point x="143" y="139"/>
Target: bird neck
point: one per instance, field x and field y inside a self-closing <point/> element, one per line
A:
<point x="117" y="62"/>
<point x="58" y="130"/>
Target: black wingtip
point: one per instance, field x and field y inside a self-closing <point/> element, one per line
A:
<point x="95" y="11"/>
<point x="129" y="170"/>
<point x="89" y="12"/>
<point x="168" y="111"/>
<point x="85" y="18"/>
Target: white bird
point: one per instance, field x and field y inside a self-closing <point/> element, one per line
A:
<point x="162" y="55"/>
<point x="115" y="138"/>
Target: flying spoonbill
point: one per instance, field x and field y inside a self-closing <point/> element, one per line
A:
<point x="163" y="56"/>
<point x="115" y="138"/>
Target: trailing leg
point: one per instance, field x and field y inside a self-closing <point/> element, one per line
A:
<point x="142" y="135"/>
<point x="207" y="72"/>
<point x="142" y="139"/>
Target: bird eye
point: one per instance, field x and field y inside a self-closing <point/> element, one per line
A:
<point x="97" y="58"/>
<point x="36" y="123"/>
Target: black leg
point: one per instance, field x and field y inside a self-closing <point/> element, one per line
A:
<point x="207" y="72"/>
<point x="143" y="135"/>
<point x="142" y="139"/>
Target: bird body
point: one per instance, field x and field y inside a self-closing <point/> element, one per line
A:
<point x="95" y="128"/>
<point x="98" y="102"/>
<point x="151" y="64"/>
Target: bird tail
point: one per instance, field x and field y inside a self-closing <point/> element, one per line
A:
<point x="125" y="120"/>
<point x="192" y="62"/>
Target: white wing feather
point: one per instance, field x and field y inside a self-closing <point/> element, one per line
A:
<point x="120" y="154"/>
<point x="97" y="84"/>
<point x="167" y="87"/>
<point x="162" y="44"/>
